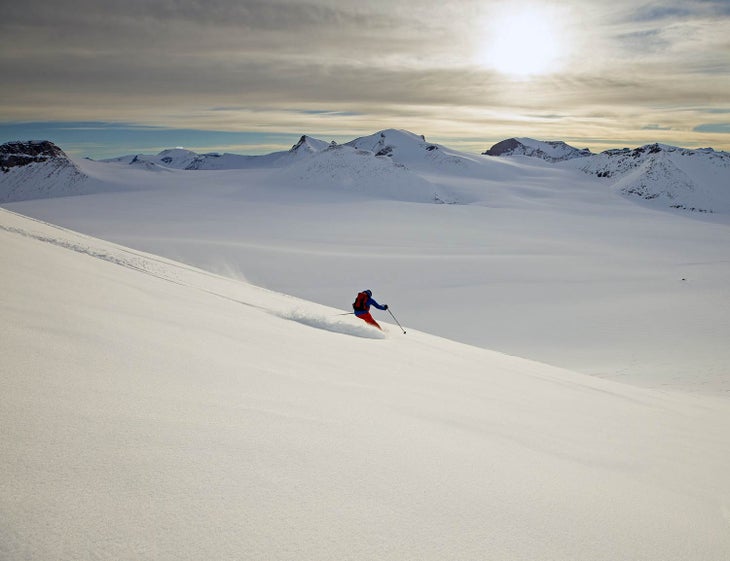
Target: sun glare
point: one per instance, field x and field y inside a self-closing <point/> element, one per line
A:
<point x="523" y="42"/>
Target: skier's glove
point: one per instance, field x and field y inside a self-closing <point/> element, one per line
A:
<point x="385" y="306"/>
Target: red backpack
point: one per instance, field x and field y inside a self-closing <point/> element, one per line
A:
<point x="361" y="302"/>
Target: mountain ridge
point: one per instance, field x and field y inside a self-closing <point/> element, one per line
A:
<point x="38" y="169"/>
<point x="694" y="180"/>
<point x="548" y="150"/>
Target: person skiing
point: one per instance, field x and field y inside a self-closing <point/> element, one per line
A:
<point x="362" y="304"/>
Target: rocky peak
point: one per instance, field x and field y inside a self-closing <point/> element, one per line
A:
<point x="549" y="150"/>
<point x="307" y="144"/>
<point x="504" y="147"/>
<point x="22" y="153"/>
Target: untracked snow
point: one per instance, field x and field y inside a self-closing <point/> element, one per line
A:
<point x="151" y="410"/>
<point x="536" y="259"/>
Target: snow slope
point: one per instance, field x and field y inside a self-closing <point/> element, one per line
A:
<point x="344" y="168"/>
<point x="153" y="410"/>
<point x="38" y="169"/>
<point x="544" y="262"/>
<point x="414" y="152"/>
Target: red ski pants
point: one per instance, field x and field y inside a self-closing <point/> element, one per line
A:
<point x="367" y="318"/>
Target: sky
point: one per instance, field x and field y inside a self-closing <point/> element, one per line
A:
<point x="250" y="76"/>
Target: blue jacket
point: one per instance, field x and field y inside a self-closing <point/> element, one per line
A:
<point x="371" y="302"/>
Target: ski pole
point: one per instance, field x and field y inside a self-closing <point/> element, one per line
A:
<point x="396" y="321"/>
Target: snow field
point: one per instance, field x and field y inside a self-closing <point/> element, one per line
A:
<point x="154" y="410"/>
<point x="542" y="263"/>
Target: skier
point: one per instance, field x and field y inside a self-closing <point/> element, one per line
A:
<point x="362" y="304"/>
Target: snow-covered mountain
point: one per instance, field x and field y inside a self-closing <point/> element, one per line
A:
<point x="37" y="169"/>
<point x="393" y="142"/>
<point x="308" y="145"/>
<point x="175" y="158"/>
<point x="180" y="158"/>
<point x="413" y="151"/>
<point x="401" y="146"/>
<point x="695" y="180"/>
<point x="345" y="168"/>
<point x="153" y="410"/>
<point x="666" y="176"/>
<point x="550" y="150"/>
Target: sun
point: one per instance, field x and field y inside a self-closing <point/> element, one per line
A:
<point x="523" y="41"/>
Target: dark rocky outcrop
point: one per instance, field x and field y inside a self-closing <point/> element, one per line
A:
<point x="22" y="153"/>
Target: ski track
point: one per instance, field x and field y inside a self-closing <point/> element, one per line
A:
<point x="331" y="324"/>
<point x="166" y="270"/>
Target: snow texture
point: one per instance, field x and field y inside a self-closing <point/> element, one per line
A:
<point x="154" y="410"/>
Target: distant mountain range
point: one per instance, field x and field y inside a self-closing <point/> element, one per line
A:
<point x="695" y="180"/>
<point x="179" y="158"/>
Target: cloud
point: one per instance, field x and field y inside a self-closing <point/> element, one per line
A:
<point x="282" y="65"/>
<point x="657" y="12"/>
<point x="722" y="128"/>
